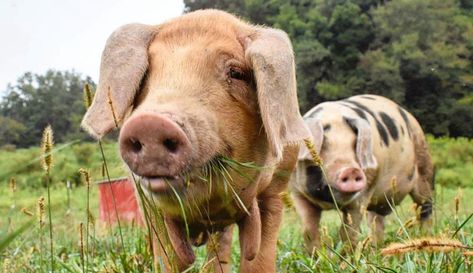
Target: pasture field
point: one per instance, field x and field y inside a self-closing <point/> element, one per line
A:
<point x="29" y="251"/>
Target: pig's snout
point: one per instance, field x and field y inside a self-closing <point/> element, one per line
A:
<point x="153" y="145"/>
<point x="351" y="180"/>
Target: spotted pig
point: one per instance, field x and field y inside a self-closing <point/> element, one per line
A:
<point x="374" y="153"/>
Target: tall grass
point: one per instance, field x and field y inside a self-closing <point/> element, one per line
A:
<point x="47" y="143"/>
<point x="23" y="252"/>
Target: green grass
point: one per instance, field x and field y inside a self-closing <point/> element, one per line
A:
<point x="106" y="252"/>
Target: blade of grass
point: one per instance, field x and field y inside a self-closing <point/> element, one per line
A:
<point x="462" y="225"/>
<point x="4" y="242"/>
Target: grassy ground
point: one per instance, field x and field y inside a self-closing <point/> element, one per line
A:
<point x="30" y="251"/>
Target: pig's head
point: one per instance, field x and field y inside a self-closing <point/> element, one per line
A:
<point x="344" y="144"/>
<point x="190" y="91"/>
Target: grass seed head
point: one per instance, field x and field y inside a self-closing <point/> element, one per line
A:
<point x="286" y="199"/>
<point x="88" y="96"/>
<point x="423" y="245"/>
<point x="315" y="156"/>
<point x="81" y="240"/>
<point x="86" y="176"/>
<point x="47" y="143"/>
<point x="112" y="108"/>
<point x="394" y="184"/>
<point x="26" y="212"/>
<point x="7" y="265"/>
<point x="12" y="184"/>
<point x="91" y="218"/>
<point x="41" y="210"/>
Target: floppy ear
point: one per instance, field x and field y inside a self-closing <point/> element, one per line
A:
<point x="270" y="53"/>
<point x="364" y="143"/>
<point x="124" y="63"/>
<point x="317" y="131"/>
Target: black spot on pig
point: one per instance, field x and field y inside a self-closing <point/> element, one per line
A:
<point x="381" y="130"/>
<point x="406" y="119"/>
<point x="351" y="124"/>
<point x="410" y="176"/>
<point x="360" y="113"/>
<point x="316" y="186"/>
<point x="390" y="124"/>
<point x="381" y="209"/>
<point x="367" y="98"/>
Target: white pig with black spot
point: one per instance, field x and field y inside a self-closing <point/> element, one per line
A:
<point x="374" y="153"/>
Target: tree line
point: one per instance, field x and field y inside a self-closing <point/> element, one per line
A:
<point x="418" y="53"/>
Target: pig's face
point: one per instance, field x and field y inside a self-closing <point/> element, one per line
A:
<point x="187" y="93"/>
<point x="197" y="104"/>
<point x="343" y="172"/>
<point x="339" y="141"/>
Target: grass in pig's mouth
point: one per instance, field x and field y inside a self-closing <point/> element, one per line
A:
<point x="218" y="169"/>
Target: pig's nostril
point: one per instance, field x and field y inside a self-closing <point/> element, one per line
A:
<point x="358" y="178"/>
<point x="170" y="144"/>
<point x="135" y="145"/>
<point x="345" y="179"/>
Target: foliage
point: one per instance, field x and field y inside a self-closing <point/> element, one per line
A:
<point x="35" y="101"/>
<point x="418" y="53"/>
<point x="23" y="253"/>
<point x="24" y="164"/>
<point x="453" y="159"/>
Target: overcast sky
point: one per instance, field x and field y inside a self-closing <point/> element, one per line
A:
<point x="67" y="34"/>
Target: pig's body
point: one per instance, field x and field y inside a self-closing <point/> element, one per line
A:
<point x="377" y="143"/>
<point x="191" y="96"/>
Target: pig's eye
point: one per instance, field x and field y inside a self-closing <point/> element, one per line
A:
<point x="236" y="74"/>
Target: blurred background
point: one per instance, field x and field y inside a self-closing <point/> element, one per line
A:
<point x="418" y="53"/>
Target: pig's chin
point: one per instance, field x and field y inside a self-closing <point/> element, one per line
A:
<point x="344" y="199"/>
<point x="161" y="184"/>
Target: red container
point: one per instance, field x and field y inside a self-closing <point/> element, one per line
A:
<point x="127" y="209"/>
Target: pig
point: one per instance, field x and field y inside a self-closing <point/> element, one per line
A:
<point x="193" y="93"/>
<point x="374" y="153"/>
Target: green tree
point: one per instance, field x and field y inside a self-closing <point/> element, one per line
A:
<point x="418" y="53"/>
<point x="38" y="100"/>
<point x="427" y="42"/>
<point x="11" y="131"/>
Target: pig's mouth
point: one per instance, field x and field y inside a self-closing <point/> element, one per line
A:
<point x="330" y="194"/>
<point x="344" y="199"/>
<point x="160" y="184"/>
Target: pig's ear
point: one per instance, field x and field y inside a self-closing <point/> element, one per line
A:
<point x="364" y="143"/>
<point x="317" y="131"/>
<point x="270" y="53"/>
<point x="124" y="64"/>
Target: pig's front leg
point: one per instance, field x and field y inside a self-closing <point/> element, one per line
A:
<point x="376" y="224"/>
<point x="271" y="208"/>
<point x="219" y="249"/>
<point x="310" y="217"/>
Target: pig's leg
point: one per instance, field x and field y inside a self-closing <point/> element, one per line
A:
<point x="271" y="208"/>
<point x="422" y="195"/>
<point x="219" y="248"/>
<point x="162" y="250"/>
<point x="350" y="228"/>
<point x="376" y="224"/>
<point x="310" y="217"/>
